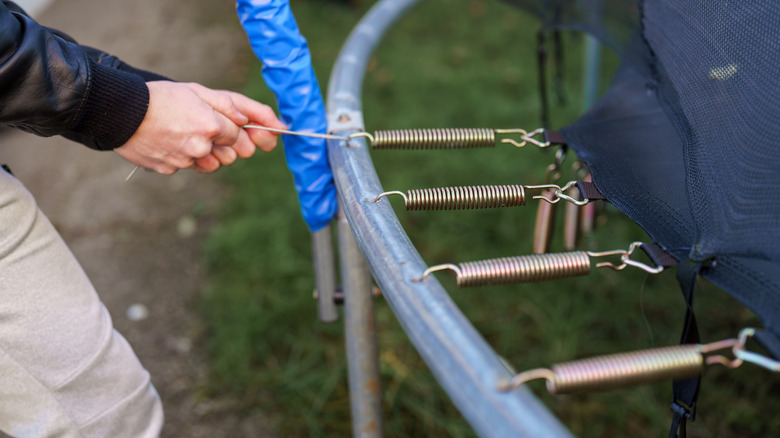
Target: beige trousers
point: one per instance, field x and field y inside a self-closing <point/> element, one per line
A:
<point x="64" y="370"/>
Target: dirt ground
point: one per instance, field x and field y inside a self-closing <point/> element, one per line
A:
<point x="139" y="241"/>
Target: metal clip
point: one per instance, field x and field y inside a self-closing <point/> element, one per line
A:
<point x="748" y="356"/>
<point x="525" y="136"/>
<point x="558" y="193"/>
<point x="625" y="260"/>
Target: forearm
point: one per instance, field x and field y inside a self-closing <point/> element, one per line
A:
<point x="51" y="86"/>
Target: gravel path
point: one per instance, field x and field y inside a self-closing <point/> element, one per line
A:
<point x="140" y="241"/>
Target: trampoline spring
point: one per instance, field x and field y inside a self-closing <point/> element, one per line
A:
<point x="588" y="216"/>
<point x="604" y="373"/>
<point x="462" y="198"/>
<point x="545" y="220"/>
<point x="571" y="223"/>
<point x="519" y="269"/>
<point x="545" y="212"/>
<point x="451" y="138"/>
<point x="534" y="268"/>
<point x="475" y="197"/>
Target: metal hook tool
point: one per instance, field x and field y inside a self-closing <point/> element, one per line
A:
<point x="279" y="131"/>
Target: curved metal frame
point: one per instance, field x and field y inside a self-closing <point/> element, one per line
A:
<point x="460" y="359"/>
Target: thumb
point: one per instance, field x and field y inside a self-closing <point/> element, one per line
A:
<point x="258" y="113"/>
<point x="222" y="103"/>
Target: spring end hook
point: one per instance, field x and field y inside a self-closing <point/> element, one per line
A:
<point x="358" y="135"/>
<point x="525" y="137"/>
<point x="558" y="193"/>
<point x="625" y="260"/>
<point x="432" y="269"/>
<point x="382" y="195"/>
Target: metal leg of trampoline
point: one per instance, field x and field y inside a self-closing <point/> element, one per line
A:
<point x="360" y="332"/>
<point x="325" y="273"/>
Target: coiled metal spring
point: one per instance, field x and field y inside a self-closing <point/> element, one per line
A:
<point x="474" y="197"/>
<point x="545" y="221"/>
<point x="538" y="267"/>
<point x="455" y="138"/>
<point x="571" y="223"/>
<point x="519" y="269"/>
<point x="461" y="198"/>
<point x="603" y="373"/>
<point x="450" y="138"/>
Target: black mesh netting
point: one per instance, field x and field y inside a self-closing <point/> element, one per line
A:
<point x="686" y="141"/>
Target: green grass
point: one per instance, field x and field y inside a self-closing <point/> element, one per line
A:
<point x="449" y="63"/>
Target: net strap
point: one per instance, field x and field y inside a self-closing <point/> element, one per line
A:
<point x="686" y="391"/>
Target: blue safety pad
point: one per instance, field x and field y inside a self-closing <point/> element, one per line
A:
<point x="287" y="70"/>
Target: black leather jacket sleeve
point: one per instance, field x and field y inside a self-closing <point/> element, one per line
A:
<point x="50" y="85"/>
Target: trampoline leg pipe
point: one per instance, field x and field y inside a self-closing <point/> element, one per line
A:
<point x="360" y="333"/>
<point x="325" y="274"/>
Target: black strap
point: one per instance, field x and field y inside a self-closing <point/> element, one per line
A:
<point x="658" y="255"/>
<point x="554" y="138"/>
<point x="541" y="60"/>
<point x="590" y="191"/>
<point x="6" y="168"/>
<point x="558" y="58"/>
<point x="686" y="391"/>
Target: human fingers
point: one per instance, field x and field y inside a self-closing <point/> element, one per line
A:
<point x="206" y="164"/>
<point x="224" y="132"/>
<point x="264" y="140"/>
<point x="225" y="154"/>
<point x="244" y="146"/>
<point x="257" y="112"/>
<point x="222" y="102"/>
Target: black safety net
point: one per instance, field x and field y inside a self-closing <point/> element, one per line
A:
<point x="686" y="141"/>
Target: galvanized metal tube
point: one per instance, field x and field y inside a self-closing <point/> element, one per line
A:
<point x="360" y="333"/>
<point x="325" y="274"/>
<point x="460" y="359"/>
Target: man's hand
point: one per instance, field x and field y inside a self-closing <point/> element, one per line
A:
<point x="188" y="125"/>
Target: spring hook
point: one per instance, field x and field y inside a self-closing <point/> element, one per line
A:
<point x="450" y="138"/>
<point x="536" y="267"/>
<point x="625" y="260"/>
<point x="603" y="373"/>
<point x="558" y="193"/>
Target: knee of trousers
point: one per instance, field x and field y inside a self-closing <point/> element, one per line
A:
<point x="64" y="371"/>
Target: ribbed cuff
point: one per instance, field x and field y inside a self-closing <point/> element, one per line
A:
<point x="115" y="107"/>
